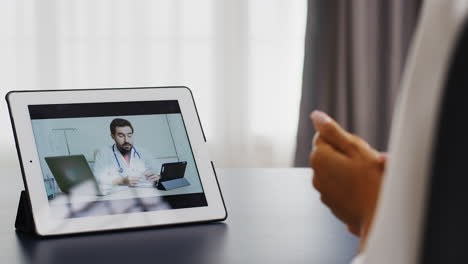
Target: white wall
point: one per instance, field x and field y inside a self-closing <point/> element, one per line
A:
<point x="87" y="135"/>
<point x="241" y="58"/>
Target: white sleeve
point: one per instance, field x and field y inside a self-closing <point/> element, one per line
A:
<point x="359" y="259"/>
<point x="103" y="169"/>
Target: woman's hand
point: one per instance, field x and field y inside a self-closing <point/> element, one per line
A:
<point x="347" y="173"/>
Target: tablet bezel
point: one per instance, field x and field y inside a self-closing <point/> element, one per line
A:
<point x="18" y="102"/>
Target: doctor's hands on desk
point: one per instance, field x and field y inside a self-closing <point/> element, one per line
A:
<point x="135" y="180"/>
<point x="129" y="180"/>
<point x="347" y="173"/>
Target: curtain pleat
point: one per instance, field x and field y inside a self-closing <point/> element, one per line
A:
<point x="354" y="58"/>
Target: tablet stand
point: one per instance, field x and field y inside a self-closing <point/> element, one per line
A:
<point x="172" y="184"/>
<point x="24" y="218"/>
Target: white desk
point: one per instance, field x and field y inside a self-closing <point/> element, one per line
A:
<point x="124" y="193"/>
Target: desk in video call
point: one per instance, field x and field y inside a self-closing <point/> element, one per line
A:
<point x="129" y="193"/>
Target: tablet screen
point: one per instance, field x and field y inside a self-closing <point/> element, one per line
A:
<point x="115" y="158"/>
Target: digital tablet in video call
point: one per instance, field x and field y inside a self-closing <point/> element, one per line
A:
<point x="106" y="159"/>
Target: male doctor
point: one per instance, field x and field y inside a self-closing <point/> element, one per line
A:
<point x="122" y="163"/>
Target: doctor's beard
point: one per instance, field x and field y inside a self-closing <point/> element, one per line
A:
<point x="125" y="148"/>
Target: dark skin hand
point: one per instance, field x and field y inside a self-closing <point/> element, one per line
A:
<point x="347" y="173"/>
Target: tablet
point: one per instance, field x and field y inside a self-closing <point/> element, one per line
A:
<point x="172" y="171"/>
<point x="91" y="159"/>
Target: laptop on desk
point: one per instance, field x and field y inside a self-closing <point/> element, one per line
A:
<point x="73" y="174"/>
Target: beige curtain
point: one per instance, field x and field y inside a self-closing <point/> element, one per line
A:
<point x="354" y="56"/>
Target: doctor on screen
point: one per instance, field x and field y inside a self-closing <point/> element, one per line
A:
<point x="122" y="163"/>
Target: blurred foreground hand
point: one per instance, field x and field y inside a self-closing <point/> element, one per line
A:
<point x="347" y="173"/>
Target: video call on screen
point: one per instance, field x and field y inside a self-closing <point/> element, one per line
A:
<point x="81" y="131"/>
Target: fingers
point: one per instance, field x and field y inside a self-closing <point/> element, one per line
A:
<point x="331" y="132"/>
<point x="133" y="180"/>
<point x="353" y="230"/>
<point x="383" y="157"/>
<point x="325" y="161"/>
<point x="132" y="183"/>
<point x="314" y="139"/>
<point x="154" y="178"/>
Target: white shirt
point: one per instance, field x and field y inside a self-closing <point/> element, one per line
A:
<point x="397" y="229"/>
<point x="109" y="165"/>
<point x="359" y="259"/>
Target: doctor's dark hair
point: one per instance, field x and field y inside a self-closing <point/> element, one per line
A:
<point x="119" y="122"/>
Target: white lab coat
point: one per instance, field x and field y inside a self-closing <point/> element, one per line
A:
<point x="106" y="168"/>
<point x="397" y="229"/>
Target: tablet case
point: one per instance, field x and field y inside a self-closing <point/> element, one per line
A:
<point x="168" y="182"/>
<point x="24" y="220"/>
<point x="172" y="184"/>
